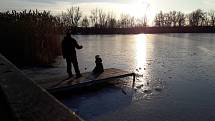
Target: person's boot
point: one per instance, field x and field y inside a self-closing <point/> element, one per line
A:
<point x="70" y="75"/>
<point x="78" y="76"/>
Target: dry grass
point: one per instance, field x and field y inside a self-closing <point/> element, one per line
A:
<point x="30" y="37"/>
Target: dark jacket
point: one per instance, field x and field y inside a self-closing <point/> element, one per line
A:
<point x="68" y="47"/>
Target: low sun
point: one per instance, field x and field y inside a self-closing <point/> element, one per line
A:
<point x="138" y="8"/>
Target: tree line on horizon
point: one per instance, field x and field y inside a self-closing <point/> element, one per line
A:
<point x="177" y="18"/>
<point x="98" y="18"/>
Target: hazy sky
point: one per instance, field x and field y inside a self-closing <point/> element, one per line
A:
<point x="130" y="6"/>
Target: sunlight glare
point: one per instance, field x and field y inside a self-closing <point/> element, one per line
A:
<point x="138" y="8"/>
<point x="140" y="51"/>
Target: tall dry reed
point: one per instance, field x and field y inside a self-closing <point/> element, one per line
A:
<point x="29" y="37"/>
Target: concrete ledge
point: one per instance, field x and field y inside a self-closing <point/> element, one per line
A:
<point x="5" y="110"/>
<point x="26" y="100"/>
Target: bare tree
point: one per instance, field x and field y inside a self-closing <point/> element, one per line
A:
<point x="85" y="22"/>
<point x="196" y="18"/>
<point x="159" y="19"/>
<point x="94" y="17"/>
<point x="72" y="17"/>
<point x="65" y="20"/>
<point x="77" y="15"/>
<point x="180" y="19"/>
<point x="111" y="21"/>
<point x="145" y="21"/>
<point x="167" y="20"/>
<point x="173" y="15"/>
<point x="102" y="19"/>
<point x="205" y="20"/>
<point x="211" y="15"/>
<point x="131" y="21"/>
<point x="124" y="20"/>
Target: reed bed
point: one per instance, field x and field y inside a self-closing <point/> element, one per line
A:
<point x="30" y="37"/>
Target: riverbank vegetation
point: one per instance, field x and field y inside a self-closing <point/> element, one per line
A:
<point x="32" y="37"/>
<point x="29" y="37"/>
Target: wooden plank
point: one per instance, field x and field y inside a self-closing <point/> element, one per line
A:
<point x="87" y="79"/>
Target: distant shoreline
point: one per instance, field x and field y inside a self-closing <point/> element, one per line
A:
<point x="139" y="30"/>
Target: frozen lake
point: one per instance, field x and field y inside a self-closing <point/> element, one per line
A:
<point x="176" y="79"/>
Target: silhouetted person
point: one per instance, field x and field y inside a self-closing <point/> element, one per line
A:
<point x="69" y="45"/>
<point x="99" y="66"/>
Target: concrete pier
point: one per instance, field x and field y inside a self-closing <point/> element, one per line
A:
<point x="21" y="99"/>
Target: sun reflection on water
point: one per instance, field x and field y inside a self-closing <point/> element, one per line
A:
<point x="140" y="52"/>
<point x="142" y="85"/>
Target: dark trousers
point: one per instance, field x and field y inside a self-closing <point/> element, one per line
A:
<point x="74" y="61"/>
